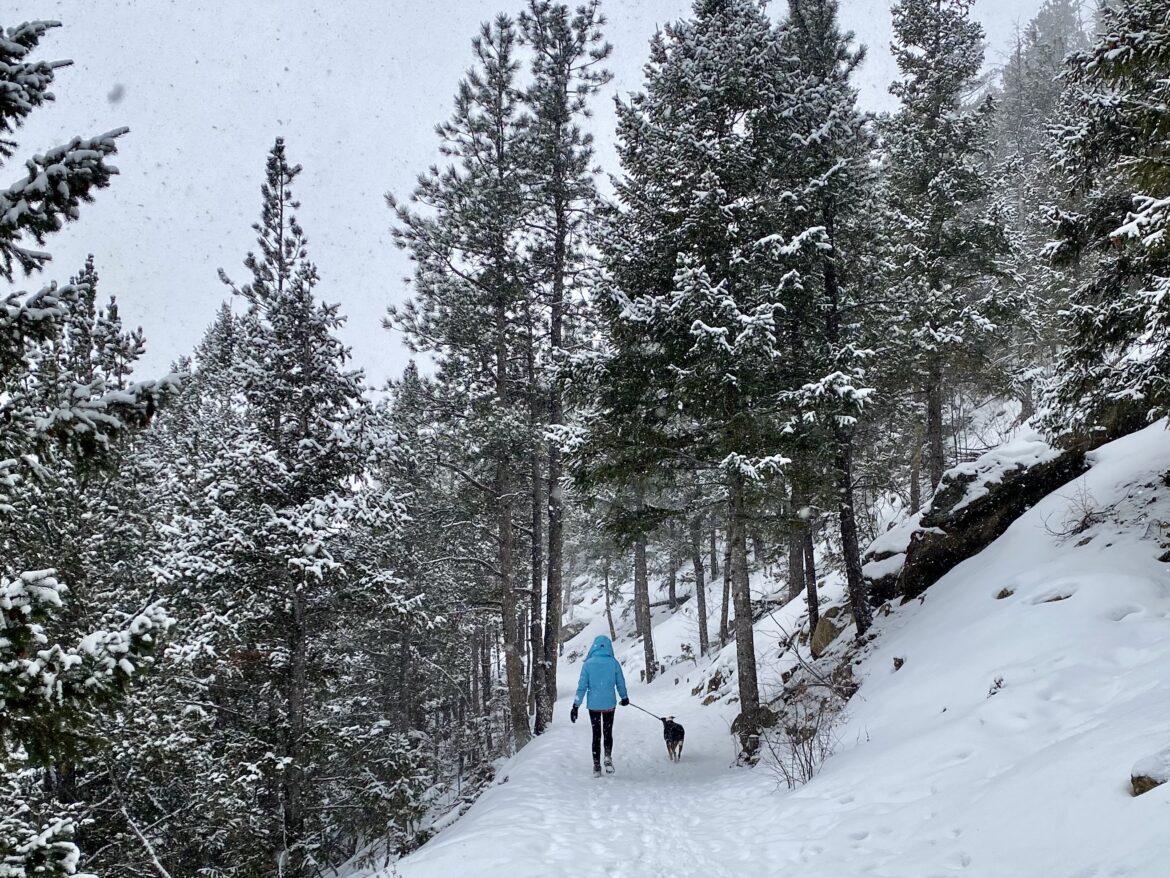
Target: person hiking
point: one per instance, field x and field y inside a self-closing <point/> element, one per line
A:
<point x="600" y="675"/>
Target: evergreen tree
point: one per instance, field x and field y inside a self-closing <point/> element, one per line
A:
<point x="284" y="542"/>
<point x="567" y="56"/>
<point x="63" y="410"/>
<point x="1028" y="104"/>
<point x="1111" y="154"/>
<point x="946" y="237"/>
<point x="471" y="309"/>
<point x="832" y="213"/>
<point x="690" y="378"/>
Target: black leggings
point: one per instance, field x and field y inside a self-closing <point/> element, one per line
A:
<point x="599" y="720"/>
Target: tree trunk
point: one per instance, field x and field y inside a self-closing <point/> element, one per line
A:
<point x="843" y="441"/>
<point x="509" y="608"/>
<point x="858" y="599"/>
<point x="935" y="453"/>
<point x="745" y="644"/>
<point x="795" y="564"/>
<point x="402" y="695"/>
<point x="473" y="669"/>
<point x="294" y="775"/>
<point x="714" y="554"/>
<point x="671" y="572"/>
<point x="916" y="473"/>
<point x="642" y="604"/>
<point x="608" y="606"/>
<point x="810" y="580"/>
<point x="485" y="687"/>
<point x="554" y="603"/>
<point x="513" y="666"/>
<point x="538" y="677"/>
<point x="560" y="189"/>
<point x="1027" y="401"/>
<point x="700" y="583"/>
<point x="724" y="631"/>
<point x="797" y="527"/>
<point x="759" y="552"/>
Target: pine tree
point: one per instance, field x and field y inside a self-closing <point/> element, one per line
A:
<point x="946" y="237"/>
<point x="567" y="52"/>
<point x="1028" y="104"/>
<point x="689" y="381"/>
<point x="465" y="231"/>
<point x="1112" y="157"/>
<point x="62" y="414"/>
<point x="280" y="538"/>
<point x="834" y="205"/>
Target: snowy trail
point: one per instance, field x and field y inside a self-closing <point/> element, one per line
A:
<point x="552" y="817"/>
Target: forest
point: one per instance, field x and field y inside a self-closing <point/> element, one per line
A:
<point x="258" y="618"/>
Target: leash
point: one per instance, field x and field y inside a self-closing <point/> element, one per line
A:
<point x="645" y="711"/>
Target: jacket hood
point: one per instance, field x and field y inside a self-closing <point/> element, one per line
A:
<point x="602" y="645"/>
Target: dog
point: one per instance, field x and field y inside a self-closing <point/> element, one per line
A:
<point x="673" y="734"/>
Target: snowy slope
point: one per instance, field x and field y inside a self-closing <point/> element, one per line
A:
<point x="1002" y="747"/>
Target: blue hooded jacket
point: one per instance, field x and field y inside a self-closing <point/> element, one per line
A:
<point x="600" y="674"/>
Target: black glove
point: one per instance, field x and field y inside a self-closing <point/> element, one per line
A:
<point x="573" y="713"/>
<point x="625" y="702"/>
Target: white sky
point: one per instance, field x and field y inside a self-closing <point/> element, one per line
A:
<point x="354" y="86"/>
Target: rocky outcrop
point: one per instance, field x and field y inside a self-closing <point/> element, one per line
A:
<point x="1143" y="783"/>
<point x="828" y="629"/>
<point x="569" y="630"/>
<point x="1150" y="773"/>
<point x="975" y="503"/>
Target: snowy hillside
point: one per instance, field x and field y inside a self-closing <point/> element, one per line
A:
<point x="994" y="732"/>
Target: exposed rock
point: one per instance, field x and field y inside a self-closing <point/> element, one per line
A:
<point x="748" y="727"/>
<point x="843" y="684"/>
<point x="1005" y="593"/>
<point x="883" y="561"/>
<point x="1150" y="773"/>
<point x="764" y="718"/>
<point x="1143" y="784"/>
<point x="569" y="630"/>
<point x="828" y="629"/>
<point x="898" y="662"/>
<point x="975" y="503"/>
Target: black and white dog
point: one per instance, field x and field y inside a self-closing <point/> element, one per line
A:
<point x="673" y="734"/>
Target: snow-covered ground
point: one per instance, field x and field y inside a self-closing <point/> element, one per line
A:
<point x="1033" y="679"/>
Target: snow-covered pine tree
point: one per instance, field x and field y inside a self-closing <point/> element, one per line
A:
<point x="1028" y="102"/>
<point x="1112" y="156"/>
<point x="567" y="58"/>
<point x="465" y="229"/>
<point x="831" y="221"/>
<point x="285" y="543"/>
<point x="694" y="359"/>
<point x="60" y="418"/>
<point x="946" y="237"/>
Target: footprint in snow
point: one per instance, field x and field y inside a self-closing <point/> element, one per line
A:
<point x="1124" y="611"/>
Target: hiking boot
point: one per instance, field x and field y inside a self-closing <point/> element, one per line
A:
<point x="609" y="765"/>
<point x="597" y="769"/>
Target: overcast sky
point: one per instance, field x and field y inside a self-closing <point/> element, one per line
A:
<point x="354" y="86"/>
